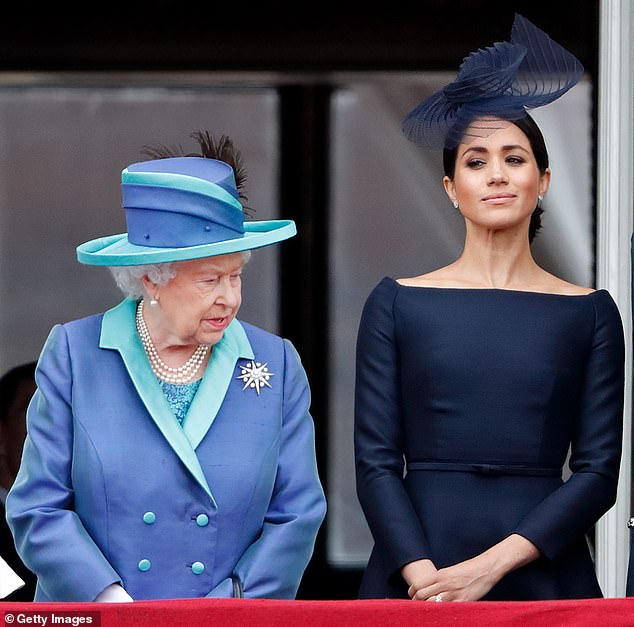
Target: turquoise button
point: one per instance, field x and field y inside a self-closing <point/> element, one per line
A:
<point x="198" y="568"/>
<point x="202" y="520"/>
<point x="144" y="565"/>
<point x="149" y="518"/>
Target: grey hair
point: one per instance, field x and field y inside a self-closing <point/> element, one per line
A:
<point x="129" y="279"/>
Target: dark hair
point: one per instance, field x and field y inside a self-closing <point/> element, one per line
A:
<point x="9" y="385"/>
<point x="536" y="140"/>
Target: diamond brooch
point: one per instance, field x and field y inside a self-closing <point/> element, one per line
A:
<point x="255" y="375"/>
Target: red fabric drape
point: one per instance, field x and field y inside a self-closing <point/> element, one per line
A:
<point x="266" y="613"/>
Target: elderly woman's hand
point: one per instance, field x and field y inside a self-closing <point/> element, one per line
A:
<point x="472" y="579"/>
<point x="114" y="593"/>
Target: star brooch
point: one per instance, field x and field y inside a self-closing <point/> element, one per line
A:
<point x="255" y="375"/>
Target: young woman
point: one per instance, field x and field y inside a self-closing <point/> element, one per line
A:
<point x="475" y="380"/>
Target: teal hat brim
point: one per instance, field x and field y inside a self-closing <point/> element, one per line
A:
<point x="116" y="250"/>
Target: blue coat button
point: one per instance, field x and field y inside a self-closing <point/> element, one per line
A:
<point x="144" y="565"/>
<point x="198" y="568"/>
<point x="149" y="518"/>
<point x="202" y="520"/>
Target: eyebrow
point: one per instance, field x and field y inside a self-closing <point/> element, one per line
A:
<point x="212" y="269"/>
<point x="482" y="149"/>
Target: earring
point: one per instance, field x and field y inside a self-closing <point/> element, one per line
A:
<point x="153" y="302"/>
<point x="455" y="204"/>
<point x="540" y="198"/>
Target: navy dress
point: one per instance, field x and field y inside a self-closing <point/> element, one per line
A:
<point x="466" y="403"/>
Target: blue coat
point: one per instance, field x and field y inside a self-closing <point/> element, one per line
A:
<point x="112" y="489"/>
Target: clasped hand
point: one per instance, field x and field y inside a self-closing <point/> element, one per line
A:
<point x="472" y="579"/>
<point x="466" y="581"/>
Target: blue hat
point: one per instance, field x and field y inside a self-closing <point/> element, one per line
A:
<point x="178" y="209"/>
<point x="501" y="81"/>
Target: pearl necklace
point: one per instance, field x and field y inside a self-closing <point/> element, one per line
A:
<point x="182" y="374"/>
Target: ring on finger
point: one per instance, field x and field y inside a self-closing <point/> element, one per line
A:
<point x="438" y="598"/>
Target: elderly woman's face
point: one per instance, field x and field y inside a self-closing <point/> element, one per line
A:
<point x="198" y="304"/>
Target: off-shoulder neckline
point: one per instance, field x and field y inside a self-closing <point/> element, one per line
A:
<point x="492" y="289"/>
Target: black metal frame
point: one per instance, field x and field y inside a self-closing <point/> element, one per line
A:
<point x="304" y="301"/>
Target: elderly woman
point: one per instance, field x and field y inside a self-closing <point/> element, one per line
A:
<point x="170" y="449"/>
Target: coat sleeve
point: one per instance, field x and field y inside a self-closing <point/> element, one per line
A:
<point x="569" y="512"/>
<point x="378" y="437"/>
<point x="49" y="536"/>
<point x="272" y="567"/>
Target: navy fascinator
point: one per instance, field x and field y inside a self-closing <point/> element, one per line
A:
<point x="501" y="81"/>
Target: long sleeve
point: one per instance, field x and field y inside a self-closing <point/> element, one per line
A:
<point x="273" y="565"/>
<point x="378" y="436"/>
<point x="570" y="511"/>
<point x="49" y="535"/>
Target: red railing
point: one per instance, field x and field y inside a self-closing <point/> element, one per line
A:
<point x="266" y="613"/>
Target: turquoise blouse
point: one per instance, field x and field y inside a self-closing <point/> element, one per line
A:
<point x="180" y="397"/>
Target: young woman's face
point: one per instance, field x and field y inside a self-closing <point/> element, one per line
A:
<point x="496" y="180"/>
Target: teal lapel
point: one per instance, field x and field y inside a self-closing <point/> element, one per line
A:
<point x="213" y="388"/>
<point x="118" y="332"/>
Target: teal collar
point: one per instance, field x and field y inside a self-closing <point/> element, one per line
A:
<point x="118" y="332"/>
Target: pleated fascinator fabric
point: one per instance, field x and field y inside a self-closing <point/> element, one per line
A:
<point x="502" y="81"/>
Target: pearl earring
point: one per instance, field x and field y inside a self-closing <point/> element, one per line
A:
<point x="540" y="198"/>
<point x="455" y="204"/>
<point x="153" y="302"/>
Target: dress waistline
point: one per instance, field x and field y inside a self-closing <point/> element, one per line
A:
<point x="487" y="469"/>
